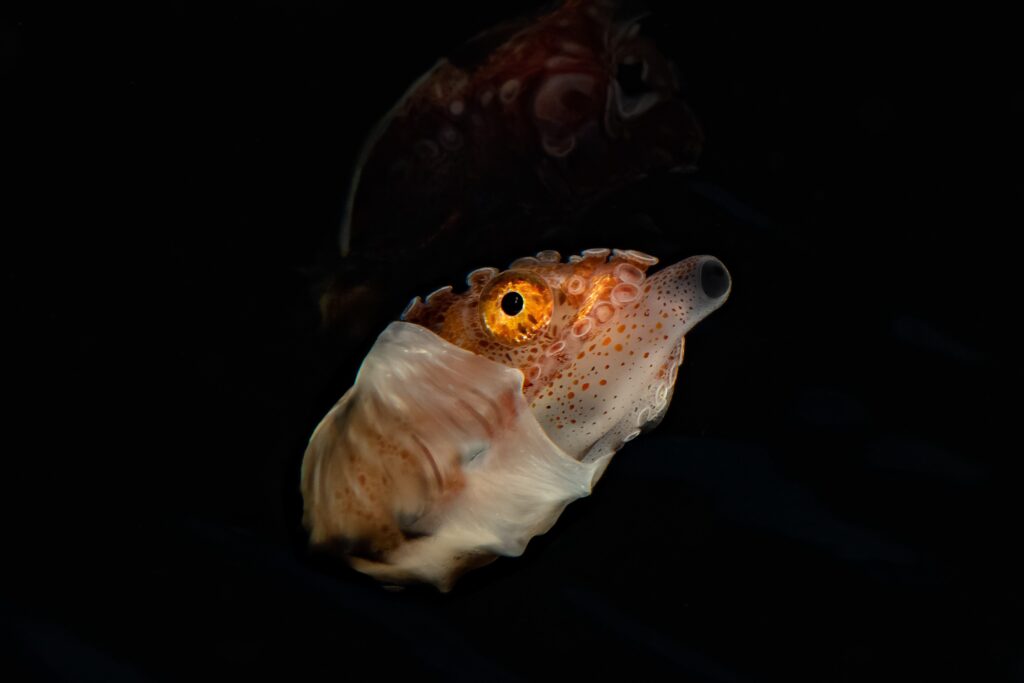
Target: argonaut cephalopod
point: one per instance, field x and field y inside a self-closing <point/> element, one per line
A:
<point x="481" y="414"/>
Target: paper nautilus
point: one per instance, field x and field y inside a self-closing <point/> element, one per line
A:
<point x="476" y="418"/>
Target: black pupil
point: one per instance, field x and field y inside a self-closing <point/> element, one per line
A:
<point x="512" y="303"/>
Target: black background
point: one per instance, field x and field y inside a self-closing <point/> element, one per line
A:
<point x="834" y="494"/>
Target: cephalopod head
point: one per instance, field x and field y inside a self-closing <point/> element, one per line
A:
<point x="597" y="341"/>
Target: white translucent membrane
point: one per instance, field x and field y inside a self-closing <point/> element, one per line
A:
<point x="461" y="416"/>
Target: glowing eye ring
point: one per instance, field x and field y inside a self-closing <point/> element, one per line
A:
<point x="515" y="307"/>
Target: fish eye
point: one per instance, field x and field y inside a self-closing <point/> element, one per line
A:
<point x="515" y="307"/>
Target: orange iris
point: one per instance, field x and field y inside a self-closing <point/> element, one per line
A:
<point x="516" y="307"/>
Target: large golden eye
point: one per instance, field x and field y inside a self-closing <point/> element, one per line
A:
<point x="515" y="307"/>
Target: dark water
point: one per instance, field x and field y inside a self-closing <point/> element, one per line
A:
<point x="834" y="495"/>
